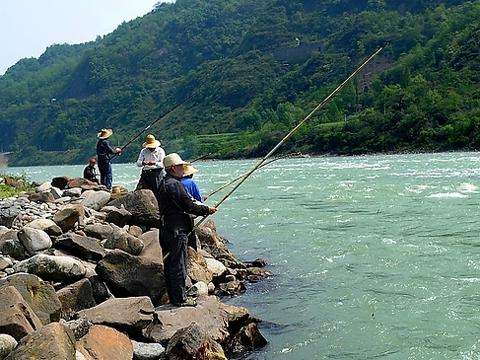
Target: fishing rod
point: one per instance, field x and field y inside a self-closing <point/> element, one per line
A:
<point x="289" y="135"/>
<point x="243" y="175"/>
<point x="201" y="158"/>
<point x="165" y="114"/>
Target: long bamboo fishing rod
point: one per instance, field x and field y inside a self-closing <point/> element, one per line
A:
<point x="289" y="135"/>
<point x="245" y="174"/>
<point x="200" y="158"/>
<point x="165" y="114"/>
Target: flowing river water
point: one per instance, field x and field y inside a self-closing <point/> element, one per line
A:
<point x="374" y="257"/>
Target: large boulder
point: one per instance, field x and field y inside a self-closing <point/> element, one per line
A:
<point x="34" y="240"/>
<point x="41" y="197"/>
<point x="46" y="225"/>
<point x="142" y="204"/>
<point x="99" y="231"/>
<point x="81" y="183"/>
<point x="215" y="266"/>
<point x="82" y="246"/>
<point x="192" y="343"/>
<point x="39" y="295"/>
<point x="60" y="182"/>
<point x="104" y="343"/>
<point x="128" y="314"/>
<point x="151" y="249"/>
<point x="53" y="268"/>
<point x="17" y="318"/>
<point x="5" y="262"/>
<point x="8" y="214"/>
<point x="147" y="351"/>
<point x="95" y="199"/>
<point x="73" y="192"/>
<point x="197" y="267"/>
<point x="122" y="240"/>
<point x="46" y="186"/>
<point x="7" y="344"/>
<point x="52" y="342"/>
<point x="10" y="245"/>
<point x="69" y="216"/>
<point x="76" y="297"/>
<point x="128" y="275"/>
<point x="118" y="216"/>
<point x="248" y="338"/>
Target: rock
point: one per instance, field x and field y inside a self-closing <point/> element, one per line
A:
<point x="52" y="342"/>
<point x="142" y="204"/>
<point x="197" y="267"/>
<point x="138" y="232"/>
<point x="231" y="288"/>
<point x="215" y="266"/>
<point x="248" y="338"/>
<point x="76" y="297"/>
<point x="104" y="343"/>
<point x="53" y="268"/>
<point x="7" y="344"/>
<point x="56" y="193"/>
<point x="5" y="262"/>
<point x="69" y="216"/>
<point x="122" y="240"/>
<point x="95" y="199"/>
<point x="60" y="182"/>
<point x="100" y="291"/>
<point x="259" y="263"/>
<point x="211" y="288"/>
<point x="210" y="314"/>
<point x="128" y="275"/>
<point x="84" y="247"/>
<point x="41" y="197"/>
<point x="46" y="186"/>
<point x="191" y="343"/>
<point x="198" y="289"/>
<point x="118" y="191"/>
<point x="34" y="240"/>
<point x="129" y="314"/>
<point x="117" y="216"/>
<point x="99" y="231"/>
<point x="46" y="225"/>
<point x="8" y="215"/>
<point x="73" y="192"/>
<point x="81" y="183"/>
<point x="10" y="245"/>
<point x="79" y="327"/>
<point x="151" y="249"/>
<point x="17" y="318"/>
<point x="38" y="294"/>
<point x="147" y="351"/>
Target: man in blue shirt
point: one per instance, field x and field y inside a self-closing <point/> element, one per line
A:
<point x="189" y="184"/>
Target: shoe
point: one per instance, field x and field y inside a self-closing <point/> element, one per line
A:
<point x="188" y="302"/>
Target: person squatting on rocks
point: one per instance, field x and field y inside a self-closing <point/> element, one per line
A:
<point x="151" y="161"/>
<point x="104" y="153"/>
<point x="176" y="208"/>
<point x="90" y="172"/>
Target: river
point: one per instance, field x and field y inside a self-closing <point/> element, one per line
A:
<point x="374" y="256"/>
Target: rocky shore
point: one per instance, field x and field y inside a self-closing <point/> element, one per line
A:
<point x="81" y="277"/>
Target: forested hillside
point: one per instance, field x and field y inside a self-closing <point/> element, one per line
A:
<point x="254" y="69"/>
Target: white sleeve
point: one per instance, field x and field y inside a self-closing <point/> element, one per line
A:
<point x="161" y="156"/>
<point x="140" y="159"/>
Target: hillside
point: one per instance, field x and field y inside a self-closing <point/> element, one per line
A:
<point x="254" y="68"/>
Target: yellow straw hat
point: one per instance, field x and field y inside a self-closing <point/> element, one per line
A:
<point x="189" y="170"/>
<point x="151" y="142"/>
<point x="173" y="159"/>
<point x="105" y="133"/>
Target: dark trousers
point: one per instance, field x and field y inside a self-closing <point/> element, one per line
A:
<point x="174" y="247"/>
<point x="150" y="179"/>
<point x="105" y="169"/>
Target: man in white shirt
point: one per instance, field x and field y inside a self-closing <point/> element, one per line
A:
<point x="151" y="162"/>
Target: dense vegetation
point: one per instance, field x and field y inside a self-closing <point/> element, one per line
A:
<point x="254" y="69"/>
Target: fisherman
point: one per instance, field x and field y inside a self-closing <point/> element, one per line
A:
<point x="176" y="208"/>
<point x="151" y="161"/>
<point x="104" y="153"/>
<point x="90" y="172"/>
<point x="189" y="184"/>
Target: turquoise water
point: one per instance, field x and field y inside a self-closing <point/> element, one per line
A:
<point x="374" y="257"/>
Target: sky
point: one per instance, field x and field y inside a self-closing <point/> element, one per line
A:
<point x="28" y="27"/>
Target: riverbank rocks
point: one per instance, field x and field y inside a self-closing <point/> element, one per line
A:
<point x="122" y="240"/>
<point x="147" y="351"/>
<point x="46" y="225"/>
<point x="118" y="216"/>
<point x="248" y="338"/>
<point x="76" y="297"/>
<point x="7" y="344"/>
<point x="142" y="204"/>
<point x="215" y="266"/>
<point x="95" y="199"/>
<point x="82" y="246"/>
<point x="8" y="213"/>
<point x="69" y="216"/>
<point x="128" y="314"/>
<point x="151" y="249"/>
<point x="102" y="343"/>
<point x="52" y="268"/>
<point x="41" y="197"/>
<point x="60" y="182"/>
<point x="52" y="342"/>
<point x="10" y="245"/>
<point x="39" y="295"/>
<point x="197" y="267"/>
<point x="17" y="318"/>
<point x="34" y="240"/>
<point x="128" y="275"/>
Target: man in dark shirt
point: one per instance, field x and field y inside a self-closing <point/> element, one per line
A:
<point x="176" y="208"/>
<point x="104" y="154"/>
<point x="90" y="173"/>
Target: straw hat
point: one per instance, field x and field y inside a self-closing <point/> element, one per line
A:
<point x="173" y="160"/>
<point x="105" y="133"/>
<point x="151" y="142"/>
<point x="189" y="170"/>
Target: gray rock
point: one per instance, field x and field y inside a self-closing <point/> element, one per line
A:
<point x="117" y="216"/>
<point x="5" y="262"/>
<point x="147" y="351"/>
<point x="99" y="231"/>
<point x="76" y="297"/>
<point x="8" y="215"/>
<point x="53" y="268"/>
<point x="10" y="245"/>
<point x="82" y="246"/>
<point x="135" y="231"/>
<point x="7" y="344"/>
<point x="142" y="204"/>
<point x="79" y="327"/>
<point x="95" y="199"/>
<point x="69" y="216"/>
<point x="46" y="225"/>
<point x="56" y="193"/>
<point x="41" y="197"/>
<point x="122" y="240"/>
<point x="60" y="182"/>
<point x="73" y="192"/>
<point x="198" y="289"/>
<point x="215" y="266"/>
<point x="34" y="240"/>
<point x="46" y="186"/>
